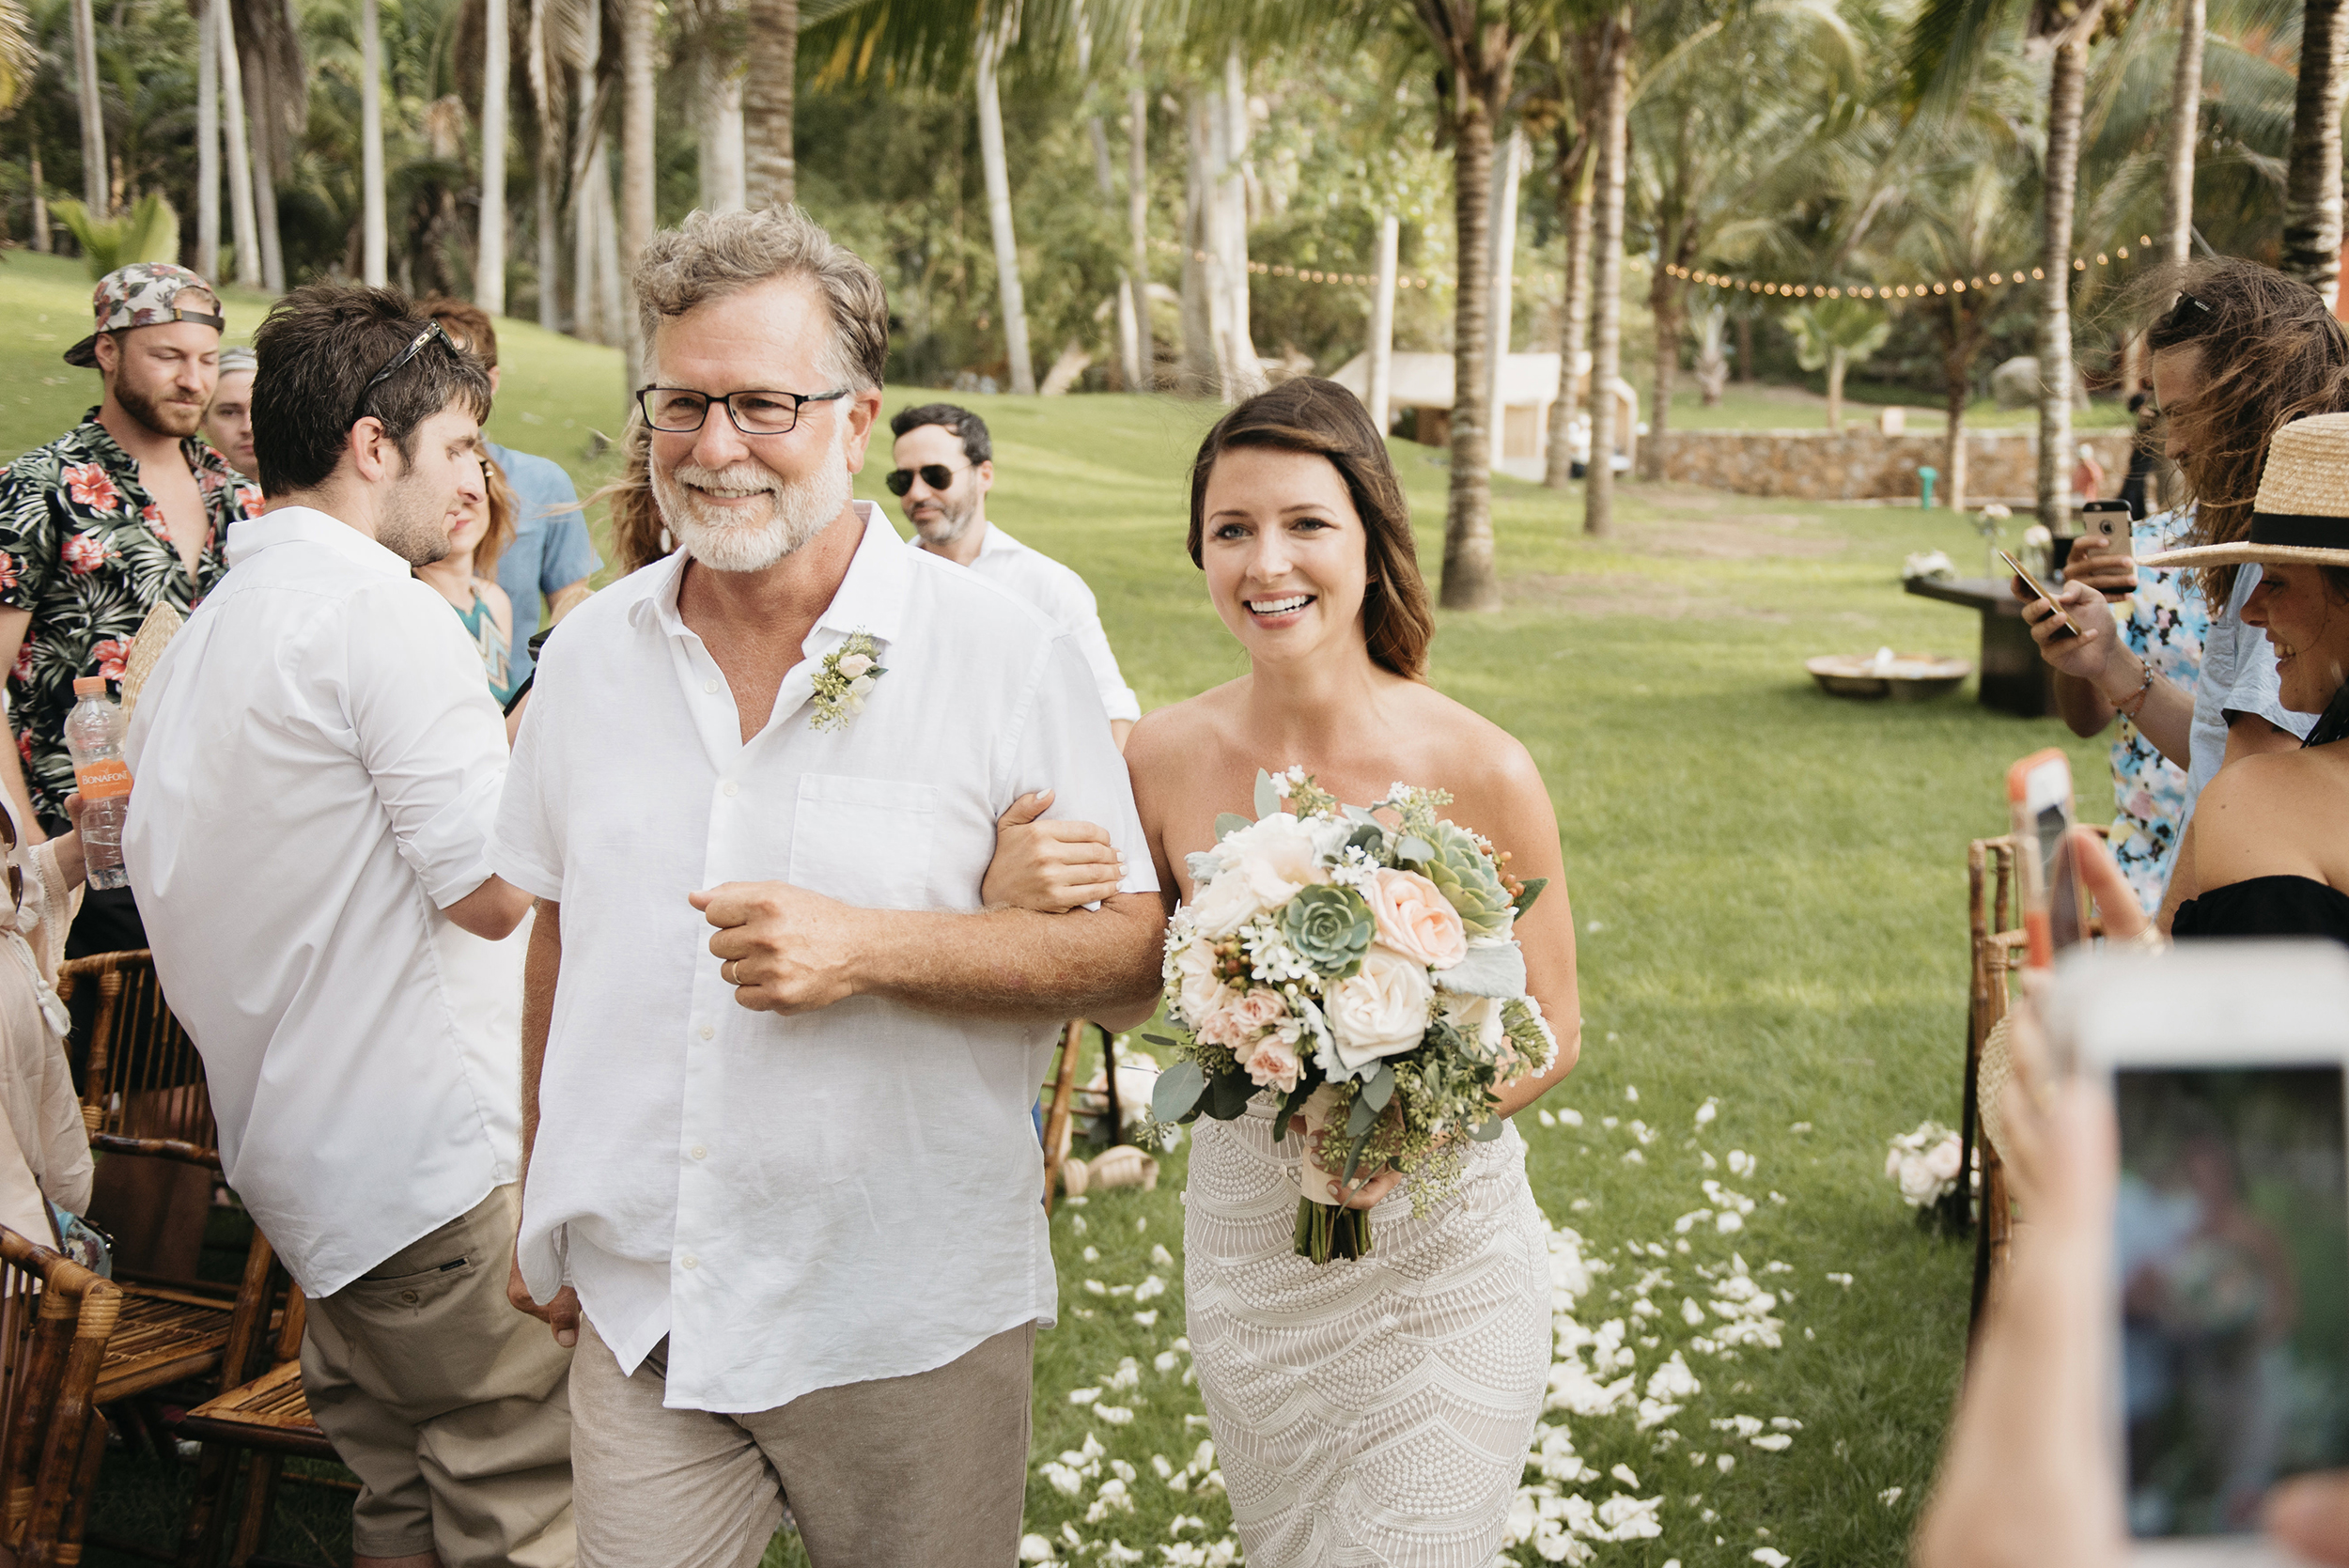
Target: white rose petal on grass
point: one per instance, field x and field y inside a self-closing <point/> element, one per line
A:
<point x="1623" y="1473"/>
<point x="1164" y="1361"/>
<point x="1083" y="1396"/>
<point x="1148" y="1319"/>
<point x="1064" y="1480"/>
<point x="1120" y="1554"/>
<point x="1091" y="1254"/>
<point x="1633" y="1156"/>
<point x="1127" y="1375"/>
<point x="1076" y="1223"/>
<point x="1889" y="1496"/>
<point x="1690" y="1313"/>
<point x="1730" y="1221"/>
<point x="1770" y="1558"/>
<point x="1096" y="1287"/>
<point x="1777" y="1442"/>
<point x="1546" y="1118"/>
<point x="1570" y="1117"/>
<point x="1710" y="1108"/>
<point x="1149" y="1288"/>
<point x="1116" y="1415"/>
<point x="1843" y="1280"/>
<point x="1725" y="1463"/>
<point x="1631" y="1093"/>
<point x="1740" y="1163"/>
<point x="1034" y="1548"/>
<point x="1159" y="1256"/>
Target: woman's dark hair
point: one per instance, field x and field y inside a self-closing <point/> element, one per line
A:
<point x="2271" y="352"/>
<point x="319" y="349"/>
<point x="638" y="537"/>
<point x="1309" y="415"/>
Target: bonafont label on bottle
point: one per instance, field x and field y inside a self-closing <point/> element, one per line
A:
<point x="103" y="781"/>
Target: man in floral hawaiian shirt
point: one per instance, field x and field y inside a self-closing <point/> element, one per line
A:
<point x="126" y="510"/>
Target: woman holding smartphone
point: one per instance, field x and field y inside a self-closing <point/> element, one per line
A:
<point x="2242" y="351"/>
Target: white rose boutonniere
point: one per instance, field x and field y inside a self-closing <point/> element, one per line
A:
<point x="846" y="678"/>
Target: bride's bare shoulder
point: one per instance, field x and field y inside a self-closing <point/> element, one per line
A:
<point x="1470" y="748"/>
<point x="1166" y="735"/>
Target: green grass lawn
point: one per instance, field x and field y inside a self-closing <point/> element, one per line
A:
<point x="1769" y="886"/>
<point x="1745" y="407"/>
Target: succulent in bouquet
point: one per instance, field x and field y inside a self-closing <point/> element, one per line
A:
<point x="1357" y="963"/>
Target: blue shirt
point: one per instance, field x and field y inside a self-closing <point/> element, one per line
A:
<point x="551" y="549"/>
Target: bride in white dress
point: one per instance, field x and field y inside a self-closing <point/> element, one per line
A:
<point x="1375" y="1411"/>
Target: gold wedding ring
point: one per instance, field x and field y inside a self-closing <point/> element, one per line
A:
<point x="726" y="971"/>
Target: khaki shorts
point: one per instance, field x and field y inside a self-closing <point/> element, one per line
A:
<point x="453" y="1409"/>
<point x="926" y="1471"/>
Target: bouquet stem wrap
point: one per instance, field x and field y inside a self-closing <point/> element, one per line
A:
<point x="1325" y="1227"/>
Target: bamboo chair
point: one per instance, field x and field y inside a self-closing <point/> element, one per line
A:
<point x="266" y="1416"/>
<point x="55" y="1317"/>
<point x="1056" y="1120"/>
<point x="2000" y="949"/>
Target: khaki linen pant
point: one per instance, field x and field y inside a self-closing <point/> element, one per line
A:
<point x="453" y="1409"/>
<point x="924" y="1471"/>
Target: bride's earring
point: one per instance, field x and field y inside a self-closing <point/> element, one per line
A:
<point x="665" y="545"/>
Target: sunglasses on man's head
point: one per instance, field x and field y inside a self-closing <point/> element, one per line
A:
<point x="938" y="476"/>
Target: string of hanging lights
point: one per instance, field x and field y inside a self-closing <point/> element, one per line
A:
<point x="1942" y="286"/>
<point x="1312" y="274"/>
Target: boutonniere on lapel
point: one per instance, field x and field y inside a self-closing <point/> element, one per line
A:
<point x="846" y="678"/>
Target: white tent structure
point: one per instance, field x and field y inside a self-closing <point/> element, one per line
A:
<point x="1529" y="385"/>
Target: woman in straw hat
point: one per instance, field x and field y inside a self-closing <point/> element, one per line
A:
<point x="2237" y="352"/>
<point x="2270" y="855"/>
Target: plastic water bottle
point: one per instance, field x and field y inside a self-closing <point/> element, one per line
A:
<point x="93" y="733"/>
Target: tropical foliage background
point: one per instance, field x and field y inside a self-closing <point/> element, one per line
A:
<point x="1105" y="194"/>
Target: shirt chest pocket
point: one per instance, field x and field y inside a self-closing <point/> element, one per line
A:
<point x="865" y="842"/>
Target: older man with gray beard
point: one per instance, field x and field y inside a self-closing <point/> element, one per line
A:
<point x="782" y="1186"/>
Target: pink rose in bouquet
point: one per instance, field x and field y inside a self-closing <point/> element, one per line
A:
<point x="1416" y="919"/>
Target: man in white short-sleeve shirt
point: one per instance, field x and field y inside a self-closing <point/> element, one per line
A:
<point x="945" y="466"/>
<point x="777" y="1065"/>
<point x="318" y="767"/>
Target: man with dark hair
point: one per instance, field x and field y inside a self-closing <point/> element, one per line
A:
<point x="319" y="766"/>
<point x="123" y="512"/>
<point x="550" y="553"/>
<point x="946" y="465"/>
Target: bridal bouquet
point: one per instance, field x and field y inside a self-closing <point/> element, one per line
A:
<point x="1362" y="970"/>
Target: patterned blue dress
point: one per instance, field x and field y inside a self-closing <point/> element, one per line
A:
<point x="2165" y="625"/>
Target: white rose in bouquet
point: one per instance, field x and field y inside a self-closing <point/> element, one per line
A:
<point x="1198" y="991"/>
<point x="1478" y="1020"/>
<point x="1382" y="1010"/>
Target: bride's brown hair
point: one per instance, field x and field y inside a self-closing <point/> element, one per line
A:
<point x="1309" y="415"/>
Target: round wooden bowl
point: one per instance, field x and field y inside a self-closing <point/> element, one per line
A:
<point x="1911" y="678"/>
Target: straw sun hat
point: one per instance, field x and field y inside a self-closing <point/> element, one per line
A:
<point x="2302" y="514"/>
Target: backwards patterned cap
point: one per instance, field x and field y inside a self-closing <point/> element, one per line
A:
<point x="238" y="359"/>
<point x="144" y="294"/>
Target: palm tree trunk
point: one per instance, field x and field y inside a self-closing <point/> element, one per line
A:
<point x="637" y="110"/>
<point x="611" y="283"/>
<point x="40" y="205"/>
<point x="549" y="240"/>
<point x="769" y="66"/>
<point x="1012" y="299"/>
<point x="1468" y="582"/>
<point x="1957" y="371"/>
<point x="1138" y="209"/>
<point x="2066" y="89"/>
<point x="207" y="141"/>
<point x="1614" y="139"/>
<point x="1837" y="361"/>
<point x="1666" y="303"/>
<point x="2186" y="104"/>
<point x="243" y="226"/>
<point x="588" y="321"/>
<point x="1382" y="326"/>
<point x="1200" y="369"/>
<point x="93" y="109"/>
<point x="724" y="181"/>
<point x="489" y="273"/>
<point x="2311" y="247"/>
<point x="1245" y="376"/>
<point x="375" y="252"/>
<point x="1501" y="311"/>
<point x="1574" y="185"/>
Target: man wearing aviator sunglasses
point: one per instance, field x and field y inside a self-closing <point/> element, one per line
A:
<point x="946" y="465"/>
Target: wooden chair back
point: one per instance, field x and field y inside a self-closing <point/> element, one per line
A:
<point x="144" y="1077"/>
<point x="55" y="1317"/>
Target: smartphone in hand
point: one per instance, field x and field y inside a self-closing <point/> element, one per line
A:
<point x="2228" y="1064"/>
<point x="2065" y="627"/>
<point x="2055" y="906"/>
<point x="2112" y="525"/>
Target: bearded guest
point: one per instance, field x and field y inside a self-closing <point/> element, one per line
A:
<point x="228" y="418"/>
<point x="123" y="512"/>
<point x="319" y="765"/>
<point x="782" y="1186"/>
<point x="945" y="466"/>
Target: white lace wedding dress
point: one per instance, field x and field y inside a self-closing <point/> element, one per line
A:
<point x="1375" y="1411"/>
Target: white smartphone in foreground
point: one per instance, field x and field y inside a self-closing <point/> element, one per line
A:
<point x="2228" y="1064"/>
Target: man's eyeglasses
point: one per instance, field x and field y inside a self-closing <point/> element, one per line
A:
<point x="400" y="361"/>
<point x="936" y="476"/>
<point x="677" y="410"/>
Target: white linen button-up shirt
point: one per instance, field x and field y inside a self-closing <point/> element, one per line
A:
<point x="1057" y="590"/>
<point x="318" y="763"/>
<point x="850" y="1194"/>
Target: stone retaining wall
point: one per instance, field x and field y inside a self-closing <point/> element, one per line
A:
<point x="1861" y="463"/>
